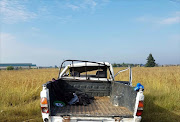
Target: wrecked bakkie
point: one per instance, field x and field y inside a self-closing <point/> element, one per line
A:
<point x="86" y="91"/>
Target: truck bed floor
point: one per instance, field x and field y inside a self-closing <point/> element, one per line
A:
<point x="101" y="106"/>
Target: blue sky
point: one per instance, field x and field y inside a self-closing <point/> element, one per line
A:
<point x="46" y="32"/>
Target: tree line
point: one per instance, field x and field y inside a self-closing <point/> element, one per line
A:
<point x="126" y="65"/>
<point x="150" y="63"/>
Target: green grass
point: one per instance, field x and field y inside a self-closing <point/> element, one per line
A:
<point x="20" y="92"/>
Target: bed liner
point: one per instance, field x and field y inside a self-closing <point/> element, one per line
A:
<point x="100" y="107"/>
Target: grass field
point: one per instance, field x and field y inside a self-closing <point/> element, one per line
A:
<point x="19" y="93"/>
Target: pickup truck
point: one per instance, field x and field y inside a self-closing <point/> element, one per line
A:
<point x="113" y="101"/>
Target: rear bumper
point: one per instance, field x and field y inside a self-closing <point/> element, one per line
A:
<point x="135" y="119"/>
<point x="94" y="119"/>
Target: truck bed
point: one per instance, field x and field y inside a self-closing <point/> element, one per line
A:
<point x="101" y="106"/>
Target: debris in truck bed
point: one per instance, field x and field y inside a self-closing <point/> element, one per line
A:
<point x="100" y="106"/>
<point x="78" y="98"/>
<point x="59" y="103"/>
<point x="84" y="99"/>
<point x="74" y="100"/>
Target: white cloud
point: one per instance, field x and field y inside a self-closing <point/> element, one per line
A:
<point x="73" y="7"/>
<point x="146" y="18"/>
<point x="64" y="19"/>
<point x="175" y="1"/>
<point x="14" y="11"/>
<point x="86" y="4"/>
<point x="89" y="3"/>
<point x="172" y="19"/>
<point x="35" y="29"/>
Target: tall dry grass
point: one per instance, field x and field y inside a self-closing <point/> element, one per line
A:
<point x="20" y="91"/>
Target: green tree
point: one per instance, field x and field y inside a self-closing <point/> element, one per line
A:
<point x="150" y="61"/>
<point x="10" y="68"/>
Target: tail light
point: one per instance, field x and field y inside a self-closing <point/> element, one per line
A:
<point x="44" y="105"/>
<point x="140" y="108"/>
<point x="140" y="104"/>
<point x="139" y="112"/>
